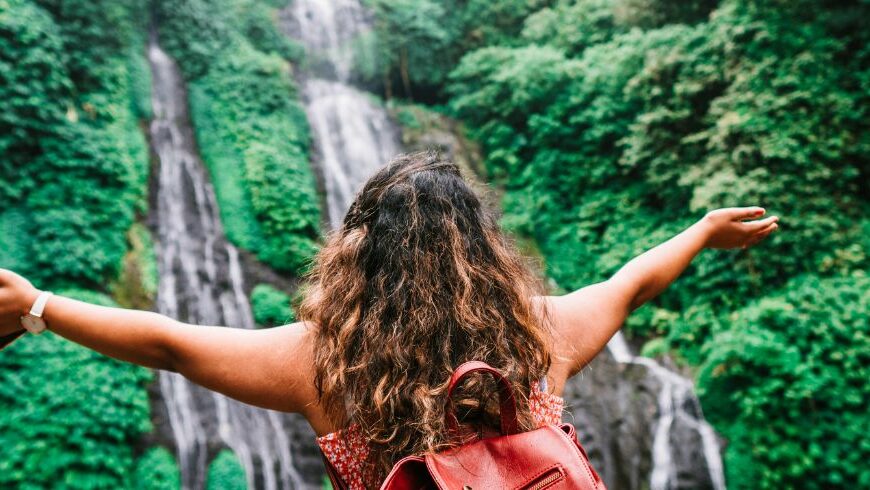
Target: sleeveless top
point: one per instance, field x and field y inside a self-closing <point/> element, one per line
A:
<point x="347" y="448"/>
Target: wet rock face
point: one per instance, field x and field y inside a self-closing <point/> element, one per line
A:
<point x="692" y="470"/>
<point x="615" y="410"/>
<point x="612" y="406"/>
<point x="307" y="458"/>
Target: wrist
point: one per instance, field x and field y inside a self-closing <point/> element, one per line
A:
<point x="704" y="228"/>
<point x="27" y="300"/>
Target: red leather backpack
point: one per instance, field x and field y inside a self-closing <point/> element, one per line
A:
<point x="549" y="457"/>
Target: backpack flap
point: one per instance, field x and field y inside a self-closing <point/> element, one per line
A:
<point x="545" y="458"/>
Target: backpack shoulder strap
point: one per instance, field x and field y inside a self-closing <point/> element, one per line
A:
<point x="507" y="400"/>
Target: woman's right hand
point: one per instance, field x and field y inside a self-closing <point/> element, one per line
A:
<point x="16" y="297"/>
<point x="726" y="227"/>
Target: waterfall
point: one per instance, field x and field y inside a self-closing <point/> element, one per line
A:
<point x="675" y="394"/>
<point x="353" y="135"/>
<point x="201" y="282"/>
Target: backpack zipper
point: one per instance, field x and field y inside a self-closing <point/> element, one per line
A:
<point x="547" y="479"/>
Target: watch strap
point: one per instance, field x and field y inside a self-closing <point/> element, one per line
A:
<point x="39" y="305"/>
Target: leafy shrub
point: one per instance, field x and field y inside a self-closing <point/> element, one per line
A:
<point x="247" y="102"/>
<point x="194" y="32"/>
<point x="157" y="470"/>
<point x="786" y="382"/>
<point x="226" y="473"/>
<point x="64" y="432"/>
<point x="73" y="167"/>
<point x="417" y="42"/>
<point x="33" y="73"/>
<point x="251" y="130"/>
<point x="271" y="307"/>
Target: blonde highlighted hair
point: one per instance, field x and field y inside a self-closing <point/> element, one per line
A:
<point x="419" y="279"/>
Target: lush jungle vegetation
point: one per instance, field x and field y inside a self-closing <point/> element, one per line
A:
<point x="73" y="168"/>
<point x="613" y="124"/>
<point x="74" y="104"/>
<point x="610" y="125"/>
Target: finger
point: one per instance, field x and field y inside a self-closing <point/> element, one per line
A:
<point x="762" y="224"/>
<point x="761" y="235"/>
<point x="770" y="228"/>
<point x="746" y="213"/>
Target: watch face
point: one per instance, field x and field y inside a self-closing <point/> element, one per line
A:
<point x="32" y="323"/>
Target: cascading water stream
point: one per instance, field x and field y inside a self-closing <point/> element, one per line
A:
<point x="353" y="135"/>
<point x="201" y="282"/>
<point x="676" y="391"/>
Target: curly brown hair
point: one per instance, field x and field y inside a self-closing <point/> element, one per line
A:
<point x="419" y="279"/>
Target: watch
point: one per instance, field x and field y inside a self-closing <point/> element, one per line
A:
<point x="33" y="321"/>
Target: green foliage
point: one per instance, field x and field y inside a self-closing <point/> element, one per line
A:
<point x="64" y="432"/>
<point x="227" y="175"/>
<point x="73" y="167"/>
<point x="139" y="75"/>
<point x="259" y="24"/>
<point x="574" y="26"/>
<point x="271" y="306"/>
<point x="417" y="42"/>
<point x="656" y="13"/>
<point x="15" y="240"/>
<point x="136" y="285"/>
<point x="226" y="473"/>
<point x="613" y="127"/>
<point x="34" y="94"/>
<point x="79" y="220"/>
<point x="407" y="24"/>
<point x="67" y="113"/>
<point x="199" y="32"/>
<point x="655" y="347"/>
<point x="157" y="470"/>
<point x="252" y="131"/>
<point x="254" y="138"/>
<point x="194" y="32"/>
<point x="786" y="382"/>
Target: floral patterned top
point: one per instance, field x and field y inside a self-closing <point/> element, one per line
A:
<point x="347" y="448"/>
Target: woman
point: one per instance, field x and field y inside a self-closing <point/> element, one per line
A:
<point x="418" y="280"/>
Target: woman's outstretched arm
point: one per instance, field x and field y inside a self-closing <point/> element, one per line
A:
<point x="260" y="367"/>
<point x="586" y="319"/>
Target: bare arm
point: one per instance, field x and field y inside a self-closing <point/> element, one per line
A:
<point x="586" y="319"/>
<point x="260" y="367"/>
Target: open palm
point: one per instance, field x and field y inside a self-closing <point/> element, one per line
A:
<point x="728" y="228"/>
